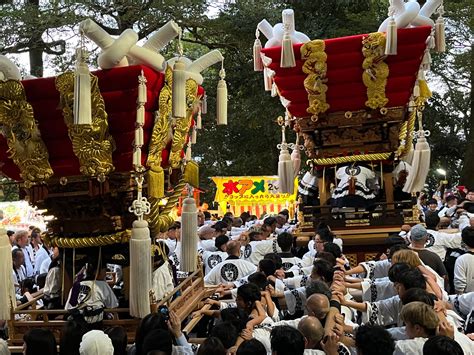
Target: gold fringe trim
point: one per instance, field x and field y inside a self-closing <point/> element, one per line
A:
<point x="92" y="144"/>
<point x="156" y="182"/>
<point x="191" y="173"/>
<point x="350" y="159"/>
<point x="86" y="242"/>
<point x="26" y="148"/>
<point x="375" y="69"/>
<point x="315" y="67"/>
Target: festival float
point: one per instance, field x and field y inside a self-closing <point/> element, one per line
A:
<point x="108" y="153"/>
<point x="356" y="103"/>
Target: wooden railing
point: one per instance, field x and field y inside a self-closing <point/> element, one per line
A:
<point x="184" y="299"/>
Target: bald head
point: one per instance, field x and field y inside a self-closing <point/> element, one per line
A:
<point x="312" y="330"/>
<point x="233" y="248"/>
<point x="317" y="305"/>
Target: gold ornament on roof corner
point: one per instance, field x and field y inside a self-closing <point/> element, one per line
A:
<point x="26" y="148"/>
<point x="92" y="144"/>
<point x="315" y="83"/>
<point x="375" y="69"/>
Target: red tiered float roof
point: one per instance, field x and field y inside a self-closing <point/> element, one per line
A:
<point x="119" y="89"/>
<point x="346" y="91"/>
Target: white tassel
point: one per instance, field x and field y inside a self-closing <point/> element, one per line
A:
<point x="416" y="90"/>
<point x="426" y="62"/>
<point x="82" y="90"/>
<point x="257" y="50"/>
<point x="440" y="40"/>
<point x="139" y="136"/>
<point x="140" y="270"/>
<point x="274" y="91"/>
<point x="188" y="156"/>
<point x="7" y="291"/>
<point x="199" y="120"/>
<point x="222" y="98"/>
<point x="420" y="166"/>
<point x="179" y="89"/>
<point x="141" y="115"/>
<point x="421" y="75"/>
<point x="431" y="42"/>
<point x="204" y="105"/>
<point x="189" y="237"/>
<point x="287" y="53"/>
<point x="194" y="136"/>
<point x="137" y="157"/>
<point x="267" y="79"/>
<point x="296" y="156"/>
<point x="285" y="167"/>
<point x="391" y="32"/>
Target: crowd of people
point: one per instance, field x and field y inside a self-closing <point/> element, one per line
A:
<point x="274" y="297"/>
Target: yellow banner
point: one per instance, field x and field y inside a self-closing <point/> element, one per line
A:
<point x="251" y="189"/>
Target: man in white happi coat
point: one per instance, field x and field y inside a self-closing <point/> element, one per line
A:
<point x="232" y="268"/>
<point x="212" y="258"/>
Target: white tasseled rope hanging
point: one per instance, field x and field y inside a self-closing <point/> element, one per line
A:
<point x="287" y="53"/>
<point x="391" y="33"/>
<point x="140" y="242"/>
<point x="440" y="40"/>
<point x="222" y="98"/>
<point x="257" y="50"/>
<point x="189" y="237"/>
<point x="286" y="175"/>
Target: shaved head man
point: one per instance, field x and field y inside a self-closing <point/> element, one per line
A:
<point x="233" y="248"/>
<point x="312" y="330"/>
<point x="317" y="306"/>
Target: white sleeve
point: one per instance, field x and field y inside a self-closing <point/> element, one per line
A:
<point x="464" y="222"/>
<point x="295" y="299"/>
<point x="213" y="277"/>
<point x="110" y="298"/>
<point x="384" y="312"/>
<point x="460" y="279"/>
<point x="449" y="240"/>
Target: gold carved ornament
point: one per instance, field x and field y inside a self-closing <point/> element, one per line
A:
<point x="182" y="125"/>
<point x="315" y="83"/>
<point x="375" y="69"/>
<point x="86" y="242"/>
<point x="92" y="144"/>
<point x="18" y="125"/>
<point x="160" y="221"/>
<point x="350" y="159"/>
<point x="159" y="139"/>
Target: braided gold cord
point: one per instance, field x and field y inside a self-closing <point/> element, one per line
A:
<point x="350" y="159"/>
<point x="86" y="242"/>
